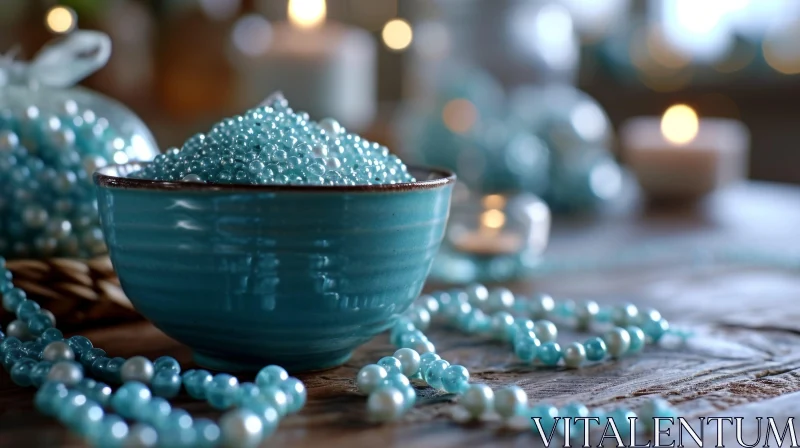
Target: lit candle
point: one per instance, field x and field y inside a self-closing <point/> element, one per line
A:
<point x="326" y="69"/>
<point x="682" y="156"/>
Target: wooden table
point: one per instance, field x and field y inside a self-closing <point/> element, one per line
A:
<point x="743" y="361"/>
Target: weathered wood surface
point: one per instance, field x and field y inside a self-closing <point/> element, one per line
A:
<point x="744" y="359"/>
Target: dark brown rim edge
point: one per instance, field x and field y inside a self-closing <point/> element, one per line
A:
<point x="443" y="177"/>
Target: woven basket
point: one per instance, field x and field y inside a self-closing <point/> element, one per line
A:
<point x="77" y="292"/>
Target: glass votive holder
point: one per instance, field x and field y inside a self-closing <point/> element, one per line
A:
<point x="492" y="238"/>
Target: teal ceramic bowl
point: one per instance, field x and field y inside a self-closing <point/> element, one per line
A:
<point x="247" y="276"/>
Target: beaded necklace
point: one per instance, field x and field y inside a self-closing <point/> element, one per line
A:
<point x="36" y="354"/>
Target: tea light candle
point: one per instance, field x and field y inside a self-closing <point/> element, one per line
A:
<point x="325" y="69"/>
<point x="682" y="156"/>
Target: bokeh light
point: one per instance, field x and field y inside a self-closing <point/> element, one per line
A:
<point x="493" y="219"/>
<point x="397" y="34"/>
<point x="61" y="19"/>
<point x="307" y="13"/>
<point x="459" y="115"/>
<point x="252" y="35"/>
<point x="680" y="124"/>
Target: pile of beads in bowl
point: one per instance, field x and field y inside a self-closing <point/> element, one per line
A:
<point x="48" y="205"/>
<point x="274" y="145"/>
<point x="499" y="314"/>
<point x="137" y="413"/>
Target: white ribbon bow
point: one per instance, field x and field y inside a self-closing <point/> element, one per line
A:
<point x="60" y="63"/>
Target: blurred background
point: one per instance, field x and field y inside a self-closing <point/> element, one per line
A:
<point x="178" y="63"/>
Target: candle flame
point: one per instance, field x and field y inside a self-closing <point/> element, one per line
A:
<point x="680" y="124"/>
<point x="492" y="219"/>
<point x="307" y="13"/>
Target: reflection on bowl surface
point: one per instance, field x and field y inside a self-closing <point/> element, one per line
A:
<point x="252" y="275"/>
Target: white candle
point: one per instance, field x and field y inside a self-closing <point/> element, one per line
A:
<point x="679" y="155"/>
<point x="325" y="69"/>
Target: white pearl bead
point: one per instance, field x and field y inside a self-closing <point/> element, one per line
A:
<point x="370" y="377"/>
<point x="58" y="351"/>
<point x="510" y="401"/>
<point x="625" y="314"/>
<point x="67" y="372"/>
<point x="541" y="306"/>
<point x="585" y="313"/>
<point x="617" y="340"/>
<point x="240" y="428"/>
<point x="409" y="361"/>
<point x="385" y="404"/>
<point x="501" y="324"/>
<point x="19" y="330"/>
<point x="574" y="355"/>
<point x="477" y="399"/>
<point x="478" y="294"/>
<point x="500" y="299"/>
<point x="137" y="368"/>
<point x="423" y="347"/>
<point x="545" y="330"/>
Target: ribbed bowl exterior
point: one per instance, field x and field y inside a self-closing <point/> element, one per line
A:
<point x="298" y="278"/>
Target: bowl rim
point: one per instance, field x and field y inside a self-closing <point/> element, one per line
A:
<point x="103" y="179"/>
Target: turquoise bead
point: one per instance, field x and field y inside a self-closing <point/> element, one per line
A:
<point x="549" y="353"/>
<point x="402" y="326"/>
<point x="547" y="418"/>
<point x="11" y="356"/>
<point x="391" y="365"/>
<point x="96" y="435"/>
<point x="9" y="343"/>
<point x="574" y="410"/>
<point x="268" y="415"/>
<point x="155" y="412"/>
<point x="12" y="299"/>
<point x="247" y="391"/>
<point x="167" y="363"/>
<point x="97" y="392"/>
<point x="166" y="383"/>
<point x="111" y="373"/>
<point x="129" y="397"/>
<point x="67" y="407"/>
<point x="653" y="408"/>
<point x="277" y="398"/>
<point x="271" y="376"/>
<point x="112" y="433"/>
<point x="655" y="329"/>
<point x="208" y="433"/>
<point x="477" y="322"/>
<point x="455" y="379"/>
<point x="222" y="391"/>
<point x="51" y="335"/>
<point x="595" y="349"/>
<point x="425" y="361"/>
<point x="79" y="344"/>
<point x="27" y="309"/>
<point x="177" y="418"/>
<point x="526" y="347"/>
<point x="39" y="373"/>
<point x="99" y="365"/>
<point x="433" y="376"/>
<point x="87" y="418"/>
<point x="195" y="383"/>
<point x="49" y="396"/>
<point x="637" y="339"/>
<point x="296" y="392"/>
<point x="21" y="372"/>
<point x="409" y="397"/>
<point x="39" y="323"/>
<point x="621" y="420"/>
<point x="410" y="339"/>
<point x="88" y="357"/>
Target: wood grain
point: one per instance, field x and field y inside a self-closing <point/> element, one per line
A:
<point x="744" y="358"/>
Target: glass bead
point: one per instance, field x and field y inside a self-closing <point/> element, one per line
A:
<point x="21" y="372"/>
<point x="51" y="335"/>
<point x="39" y="373"/>
<point x="38" y="324"/>
<point x="425" y="361"/>
<point x="112" y="372"/>
<point x="27" y="309"/>
<point x="11" y="356"/>
<point x="99" y="366"/>
<point x="67" y="407"/>
<point x="166" y="383"/>
<point x="13" y="299"/>
<point x="195" y="383"/>
<point x="410" y="339"/>
<point x="246" y="392"/>
<point x="296" y="393"/>
<point x="207" y="433"/>
<point x="271" y="376"/>
<point x="434" y="373"/>
<point x="129" y="397"/>
<point x="455" y="379"/>
<point x="79" y="344"/>
<point x="595" y="349"/>
<point x="88" y="357"/>
<point x="549" y="353"/>
<point x="370" y="377"/>
<point x="86" y="418"/>
<point x="277" y="398"/>
<point x="222" y="391"/>
<point x="391" y="365"/>
<point x="49" y="396"/>
<point x="401" y="327"/>
<point x="112" y="433"/>
<point x="637" y="337"/>
<point x="526" y="348"/>
<point x="154" y="412"/>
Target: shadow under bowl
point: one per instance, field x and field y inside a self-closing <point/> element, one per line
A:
<point x="250" y="275"/>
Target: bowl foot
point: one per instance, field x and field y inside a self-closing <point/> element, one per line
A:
<point x="310" y="363"/>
